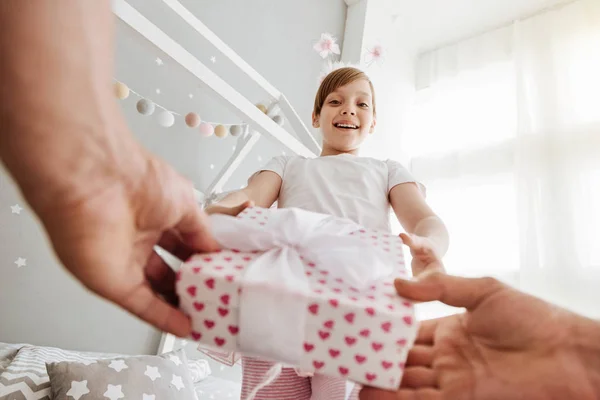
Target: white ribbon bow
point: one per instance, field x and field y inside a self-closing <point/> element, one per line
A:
<point x="276" y="289"/>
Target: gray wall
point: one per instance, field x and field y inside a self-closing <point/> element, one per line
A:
<point x="40" y="303"/>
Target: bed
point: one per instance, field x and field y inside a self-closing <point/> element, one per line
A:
<point x="294" y="137"/>
<point x="23" y="373"/>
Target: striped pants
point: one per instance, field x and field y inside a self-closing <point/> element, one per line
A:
<point x="289" y="386"/>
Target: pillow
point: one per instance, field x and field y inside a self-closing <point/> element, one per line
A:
<point x="7" y="353"/>
<point x="141" y="377"/>
<point x="25" y="376"/>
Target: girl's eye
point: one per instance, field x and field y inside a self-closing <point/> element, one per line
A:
<point x="363" y="105"/>
<point x="334" y="102"/>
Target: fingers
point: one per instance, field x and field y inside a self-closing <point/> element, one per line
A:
<point x="161" y="278"/>
<point x="450" y="290"/>
<point x="420" y="355"/>
<point x="427" y="331"/>
<point x="419" y="377"/>
<point x="368" y="393"/>
<point x="415" y="243"/>
<point x="194" y="230"/>
<point x="145" y="304"/>
<point x="172" y="243"/>
<point x="423" y="253"/>
<point x="160" y="275"/>
<point x="410" y="242"/>
<point x="406" y="239"/>
<point x="242" y="207"/>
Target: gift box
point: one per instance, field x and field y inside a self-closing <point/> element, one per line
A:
<point x="305" y="289"/>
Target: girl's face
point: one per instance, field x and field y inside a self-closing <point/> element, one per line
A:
<point x="346" y="117"/>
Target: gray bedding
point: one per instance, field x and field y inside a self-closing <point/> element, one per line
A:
<point x="23" y="374"/>
<point x="23" y="369"/>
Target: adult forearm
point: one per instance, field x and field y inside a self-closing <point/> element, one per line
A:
<point x="61" y="127"/>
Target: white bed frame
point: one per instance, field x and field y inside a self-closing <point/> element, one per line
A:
<point x="260" y="122"/>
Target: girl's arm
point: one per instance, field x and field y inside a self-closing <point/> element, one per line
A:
<point x="417" y="218"/>
<point x="262" y="191"/>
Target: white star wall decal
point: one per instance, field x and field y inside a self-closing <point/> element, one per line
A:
<point x="21" y="262"/>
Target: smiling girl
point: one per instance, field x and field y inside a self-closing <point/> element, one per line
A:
<point x="343" y="184"/>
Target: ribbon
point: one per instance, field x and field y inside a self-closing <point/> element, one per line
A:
<point x="275" y="292"/>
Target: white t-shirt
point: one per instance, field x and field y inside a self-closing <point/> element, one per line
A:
<point x="344" y="185"/>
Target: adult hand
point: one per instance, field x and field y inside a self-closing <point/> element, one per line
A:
<point x="508" y="345"/>
<point x="103" y="200"/>
<point x="105" y="238"/>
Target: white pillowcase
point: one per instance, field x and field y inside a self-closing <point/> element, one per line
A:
<point x="199" y="369"/>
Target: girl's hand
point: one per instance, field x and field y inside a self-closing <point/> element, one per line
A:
<point x="424" y="255"/>
<point x="233" y="211"/>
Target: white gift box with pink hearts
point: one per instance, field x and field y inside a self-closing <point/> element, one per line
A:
<point x="305" y="289"/>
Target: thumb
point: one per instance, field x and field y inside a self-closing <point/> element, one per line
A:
<point x="407" y="239"/>
<point x="194" y="230"/>
<point x="243" y="206"/>
<point x="145" y="304"/>
<point x="451" y="290"/>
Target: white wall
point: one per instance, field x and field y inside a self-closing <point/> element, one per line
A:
<point x="375" y="21"/>
<point x="40" y="303"/>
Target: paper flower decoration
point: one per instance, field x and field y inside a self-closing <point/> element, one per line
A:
<point x="374" y="54"/>
<point x="327" y="46"/>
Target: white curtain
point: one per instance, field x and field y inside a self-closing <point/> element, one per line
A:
<point x="505" y="132"/>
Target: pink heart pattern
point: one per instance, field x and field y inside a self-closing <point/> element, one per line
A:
<point x="357" y="333"/>
<point x="334" y="353"/>
<point x="233" y="329"/>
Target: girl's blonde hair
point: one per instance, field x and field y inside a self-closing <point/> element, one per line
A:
<point x="338" y="78"/>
